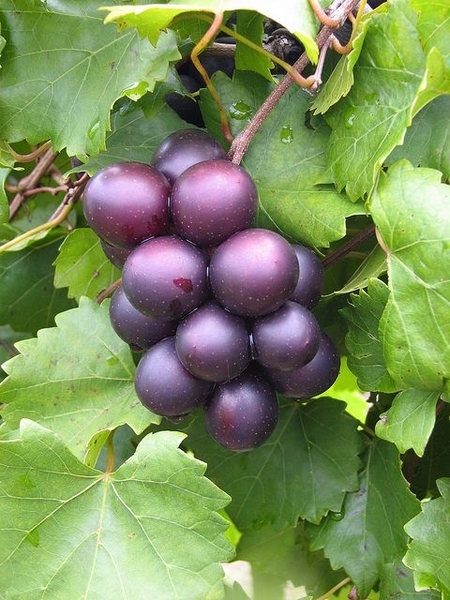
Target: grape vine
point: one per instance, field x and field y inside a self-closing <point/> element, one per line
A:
<point x="224" y="292"/>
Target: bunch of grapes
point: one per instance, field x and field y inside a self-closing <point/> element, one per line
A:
<point x="221" y="310"/>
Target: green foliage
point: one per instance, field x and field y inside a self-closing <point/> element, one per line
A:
<point x="64" y="523"/>
<point x="101" y="498"/>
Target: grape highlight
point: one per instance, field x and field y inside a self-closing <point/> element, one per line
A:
<point x="218" y="308"/>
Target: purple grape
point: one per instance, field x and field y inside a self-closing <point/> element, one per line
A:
<point x="212" y="200"/>
<point x="134" y="328"/>
<point x="164" y="386"/>
<point x="312" y="379"/>
<point x="309" y="285"/>
<point x="242" y="413"/>
<point x="253" y="272"/>
<point x="126" y="203"/>
<point x="213" y="344"/>
<point x="115" y="254"/>
<point x="287" y="338"/>
<point x="166" y="277"/>
<point x="185" y="148"/>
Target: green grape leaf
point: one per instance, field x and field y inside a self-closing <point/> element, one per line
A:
<point x="150" y="19"/>
<point x="76" y="378"/>
<point x="28" y="300"/>
<point x="366" y="358"/>
<point x="426" y="141"/>
<point x="150" y="528"/>
<point x="429" y="551"/>
<point x="71" y="76"/>
<point x="82" y="266"/>
<point x="397" y="581"/>
<point x="302" y="471"/>
<point x="134" y="135"/>
<point x="251" y="26"/>
<point x="369" y="531"/>
<point x="411" y="209"/>
<point x="339" y="83"/>
<point x="284" y="555"/>
<point x="389" y="88"/>
<point x="410" y="420"/>
<point x="291" y="201"/>
<point x="373" y="265"/>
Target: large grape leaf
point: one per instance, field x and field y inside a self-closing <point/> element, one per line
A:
<point x="426" y="142"/>
<point x="148" y="530"/>
<point x="294" y="15"/>
<point x="410" y="420"/>
<point x="397" y="581"/>
<point x="76" y="378"/>
<point x="370" y="532"/>
<point x="82" y="266"/>
<point x="366" y="357"/>
<point x="411" y="209"/>
<point x="394" y="77"/>
<point x="28" y="300"/>
<point x="62" y="83"/>
<point x="429" y="550"/>
<point x="4" y="206"/>
<point x="302" y="471"/>
<point x="286" y="158"/>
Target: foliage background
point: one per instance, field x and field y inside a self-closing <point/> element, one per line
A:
<point x="100" y="497"/>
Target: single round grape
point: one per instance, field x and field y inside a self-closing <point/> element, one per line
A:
<point x="242" y="413"/>
<point x="164" y="386"/>
<point x="115" y="254"/>
<point x="126" y="203"/>
<point x="253" y="272"/>
<point x="134" y="328"/>
<point x="309" y="284"/>
<point x="185" y="148"/>
<point x="213" y="344"/>
<point x="212" y="200"/>
<point x="312" y="379"/>
<point x="166" y="277"/>
<point x="287" y="338"/>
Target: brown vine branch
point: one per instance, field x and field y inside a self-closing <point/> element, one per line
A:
<point x="58" y="217"/>
<point x="346" y="248"/>
<point x="32" y="180"/>
<point x="338" y="11"/>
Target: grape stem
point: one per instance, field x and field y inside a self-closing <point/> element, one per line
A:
<point x="108" y="291"/>
<point x="198" y="48"/>
<point x="338" y="12"/>
<point x="346" y="248"/>
<point x="334" y="589"/>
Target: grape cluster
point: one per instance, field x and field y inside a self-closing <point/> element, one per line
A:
<point x="221" y="310"/>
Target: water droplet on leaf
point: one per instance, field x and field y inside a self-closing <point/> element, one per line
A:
<point x="286" y="134"/>
<point x="240" y="110"/>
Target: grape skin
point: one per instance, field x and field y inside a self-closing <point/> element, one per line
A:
<point x="185" y="148"/>
<point x="253" y="272"/>
<point x="242" y="413"/>
<point x="164" y="386"/>
<point x="213" y="344"/>
<point x="287" y="338"/>
<point x="212" y="200"/>
<point x="312" y="379"/>
<point x="126" y="203"/>
<point x="166" y="277"/>
<point x="134" y="328"/>
<point x="308" y="290"/>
